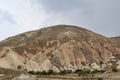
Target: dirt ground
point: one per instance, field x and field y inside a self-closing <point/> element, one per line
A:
<point x="104" y="76"/>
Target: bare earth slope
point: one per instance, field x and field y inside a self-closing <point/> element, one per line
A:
<point x="59" y="47"/>
<point x="116" y="41"/>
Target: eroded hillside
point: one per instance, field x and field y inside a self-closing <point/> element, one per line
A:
<point x="59" y="47"/>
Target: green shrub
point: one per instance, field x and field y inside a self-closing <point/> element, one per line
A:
<point x="43" y="73"/>
<point x="78" y="70"/>
<point x="95" y="71"/>
<point x="38" y="73"/>
<point x="114" y="70"/>
<point x="99" y="78"/>
<point x="50" y="72"/>
<point x="19" y="67"/>
<point x="82" y="73"/>
<point x="69" y="71"/>
<point x="88" y="71"/>
<point x="102" y="71"/>
<point x="32" y="72"/>
<point x="63" y="72"/>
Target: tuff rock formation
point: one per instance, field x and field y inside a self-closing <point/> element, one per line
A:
<point x="60" y="47"/>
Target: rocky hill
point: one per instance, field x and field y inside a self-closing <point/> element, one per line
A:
<point x="60" y="47"/>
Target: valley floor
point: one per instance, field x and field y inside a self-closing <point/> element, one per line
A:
<point x="104" y="76"/>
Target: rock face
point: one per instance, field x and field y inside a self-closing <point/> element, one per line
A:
<point x="59" y="47"/>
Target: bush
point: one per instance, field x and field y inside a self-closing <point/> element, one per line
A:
<point x="82" y="73"/>
<point x="19" y="67"/>
<point x="114" y="70"/>
<point x="63" y="72"/>
<point x="78" y="70"/>
<point x="38" y="73"/>
<point x="50" y="72"/>
<point x="69" y="71"/>
<point x="32" y="72"/>
<point x="99" y="78"/>
<point x="88" y="71"/>
<point x="102" y="71"/>
<point x="95" y="71"/>
<point x="43" y="73"/>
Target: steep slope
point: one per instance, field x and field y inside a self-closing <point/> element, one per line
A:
<point x="116" y="41"/>
<point x="10" y="59"/>
<point x="63" y="47"/>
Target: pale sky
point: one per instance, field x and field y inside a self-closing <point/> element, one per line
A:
<point x="101" y="16"/>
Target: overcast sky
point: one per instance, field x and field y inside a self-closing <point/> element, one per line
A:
<point x="17" y="16"/>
